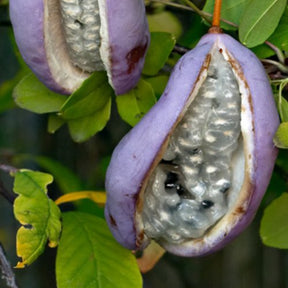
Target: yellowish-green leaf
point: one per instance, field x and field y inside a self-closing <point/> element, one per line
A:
<point x="281" y="136"/>
<point x="38" y="215"/>
<point x="97" y="197"/>
<point x="161" y="46"/>
<point x="32" y="95"/>
<point x="54" y="123"/>
<point x="274" y="224"/>
<point x="133" y="105"/>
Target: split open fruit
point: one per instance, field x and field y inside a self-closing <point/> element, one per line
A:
<point x="191" y="174"/>
<point x="64" y="41"/>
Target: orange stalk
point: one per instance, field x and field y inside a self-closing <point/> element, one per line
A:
<point x="217" y="13"/>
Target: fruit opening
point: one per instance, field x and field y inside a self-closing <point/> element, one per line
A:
<point x="201" y="172"/>
<point x="81" y="24"/>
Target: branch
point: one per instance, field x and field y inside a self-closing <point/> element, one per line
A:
<point x="3" y="191"/>
<point x="6" y="269"/>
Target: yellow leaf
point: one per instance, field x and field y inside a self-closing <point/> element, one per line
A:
<point x="95" y="196"/>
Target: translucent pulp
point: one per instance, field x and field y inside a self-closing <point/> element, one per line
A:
<point x="188" y="191"/>
<point x="81" y="22"/>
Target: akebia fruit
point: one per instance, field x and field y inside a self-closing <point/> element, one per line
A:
<point x="63" y="41"/>
<point x="193" y="171"/>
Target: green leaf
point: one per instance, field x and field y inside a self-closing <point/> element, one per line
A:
<point x="39" y="215"/>
<point x="281" y="136"/>
<point x="159" y="50"/>
<point x="279" y="38"/>
<point x="232" y="10"/>
<point x="260" y="20"/>
<point x="158" y="84"/>
<point x="83" y="128"/>
<point x="66" y="179"/>
<point x="6" y="88"/>
<point x="92" y="96"/>
<point x="165" y="21"/>
<point x="32" y="95"/>
<point x="88" y="256"/>
<point x="133" y="105"/>
<point x="274" y="224"/>
<point x="55" y="122"/>
<point x="282" y="103"/>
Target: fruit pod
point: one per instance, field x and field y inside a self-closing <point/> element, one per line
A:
<point x="63" y="41"/>
<point x="192" y="173"/>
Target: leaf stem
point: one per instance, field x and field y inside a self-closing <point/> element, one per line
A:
<point x="197" y="10"/>
<point x="6" y="269"/>
<point x="277" y="51"/>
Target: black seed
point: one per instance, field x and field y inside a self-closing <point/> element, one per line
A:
<point x="207" y="204"/>
<point x="166" y="162"/>
<point x="171" y="180"/>
<point x="195" y="151"/>
<point x="225" y="188"/>
<point x="80" y="23"/>
<point x="215" y="103"/>
<point x="180" y="190"/>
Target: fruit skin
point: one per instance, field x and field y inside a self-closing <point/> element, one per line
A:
<point x="137" y="151"/>
<point x="125" y="38"/>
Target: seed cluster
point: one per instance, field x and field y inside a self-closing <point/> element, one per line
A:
<point x="81" y="22"/>
<point x="188" y="191"/>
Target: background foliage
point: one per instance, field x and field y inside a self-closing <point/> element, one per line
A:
<point x="70" y="140"/>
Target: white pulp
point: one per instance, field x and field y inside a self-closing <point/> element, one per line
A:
<point x="81" y="22"/>
<point x="190" y="189"/>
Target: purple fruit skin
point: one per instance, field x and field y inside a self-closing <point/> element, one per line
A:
<point x="135" y="153"/>
<point x="128" y="32"/>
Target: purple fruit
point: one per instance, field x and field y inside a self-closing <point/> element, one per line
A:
<point x="64" y="41"/>
<point x="192" y="173"/>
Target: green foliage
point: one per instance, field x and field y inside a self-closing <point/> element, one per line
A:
<point x="86" y="111"/>
<point x="259" y="21"/>
<point x="232" y="10"/>
<point x="274" y="225"/>
<point x="164" y="21"/>
<point x="160" y="48"/>
<point x="38" y="215"/>
<point x="279" y="38"/>
<point x="88" y="256"/>
<point x="133" y="105"/>
<point x="281" y="136"/>
<point x="32" y="95"/>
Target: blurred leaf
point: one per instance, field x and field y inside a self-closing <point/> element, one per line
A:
<point x="66" y="179"/>
<point x="260" y="20"/>
<point x="158" y="84"/>
<point x="279" y="38"/>
<point x="39" y="215"/>
<point x="87" y="243"/>
<point x="133" y="105"/>
<point x="281" y="136"/>
<point x="165" y="21"/>
<point x="55" y="122"/>
<point x="195" y="31"/>
<point x="95" y="196"/>
<point x="159" y="50"/>
<point x="83" y="128"/>
<point x="92" y="96"/>
<point x="282" y="104"/>
<point x="6" y="88"/>
<point x="32" y="95"/>
<point x="274" y="224"/>
<point x="232" y="10"/>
